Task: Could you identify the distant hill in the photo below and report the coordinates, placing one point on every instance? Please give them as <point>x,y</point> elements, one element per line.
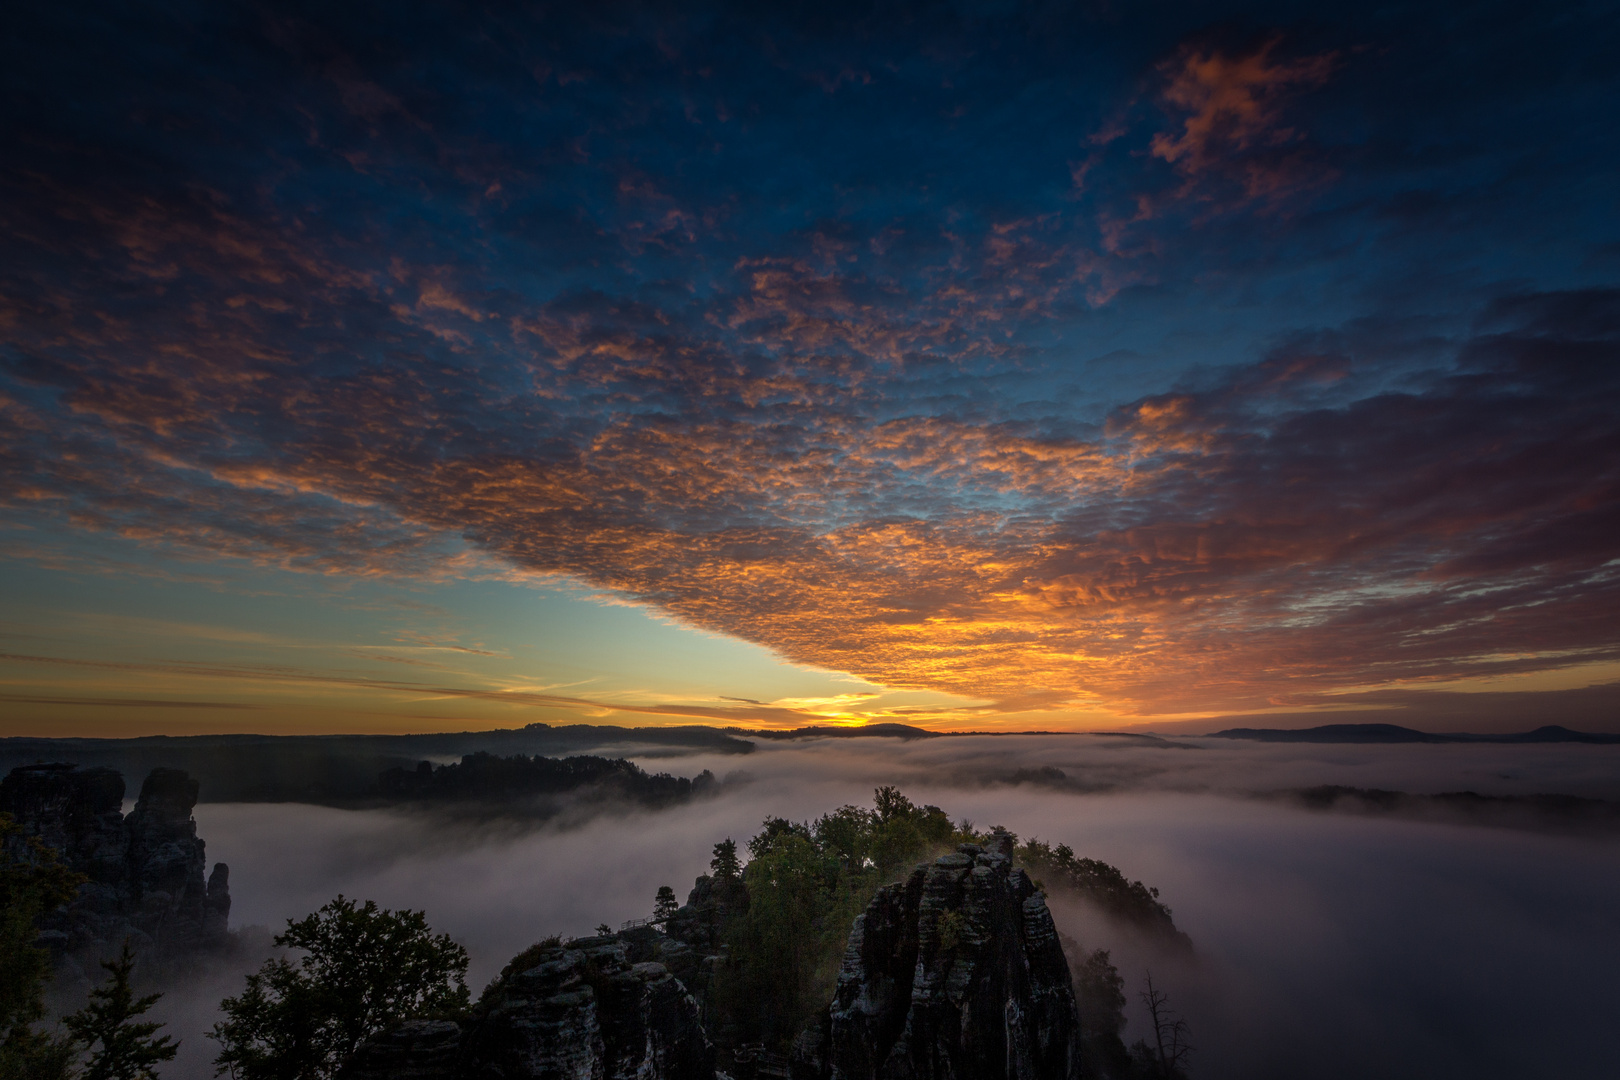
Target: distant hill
<point>1551,733</point>
<point>1394,733</point>
<point>865,731</point>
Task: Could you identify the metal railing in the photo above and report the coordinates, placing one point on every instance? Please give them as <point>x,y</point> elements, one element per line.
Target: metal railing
<point>753,1060</point>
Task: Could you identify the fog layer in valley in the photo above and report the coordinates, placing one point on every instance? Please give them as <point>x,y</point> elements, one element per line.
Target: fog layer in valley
<point>1327,945</point>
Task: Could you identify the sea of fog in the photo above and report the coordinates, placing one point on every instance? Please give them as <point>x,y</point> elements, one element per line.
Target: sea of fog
<point>1327,945</point>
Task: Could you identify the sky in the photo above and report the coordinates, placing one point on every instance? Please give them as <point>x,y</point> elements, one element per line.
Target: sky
<point>983,366</point>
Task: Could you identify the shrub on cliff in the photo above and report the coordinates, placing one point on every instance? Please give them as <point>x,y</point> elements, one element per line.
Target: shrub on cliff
<point>363,970</point>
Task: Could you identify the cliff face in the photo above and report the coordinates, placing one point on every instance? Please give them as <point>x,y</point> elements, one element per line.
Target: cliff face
<point>957,972</point>
<point>583,1011</point>
<point>146,870</point>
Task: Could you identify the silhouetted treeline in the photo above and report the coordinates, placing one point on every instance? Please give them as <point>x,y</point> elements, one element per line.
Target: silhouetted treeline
<point>1544,812</point>
<point>484,776</point>
<point>1129,902</point>
<point>342,769</point>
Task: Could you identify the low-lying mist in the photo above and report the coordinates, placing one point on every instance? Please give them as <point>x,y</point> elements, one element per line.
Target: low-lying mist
<point>1326,945</point>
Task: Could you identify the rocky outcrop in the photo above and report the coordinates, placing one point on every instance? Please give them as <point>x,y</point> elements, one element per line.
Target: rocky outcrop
<point>956,972</point>
<point>145,871</point>
<point>581,1011</point>
<point>414,1050</point>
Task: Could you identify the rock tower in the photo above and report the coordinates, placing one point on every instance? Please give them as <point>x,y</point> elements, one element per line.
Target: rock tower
<point>145,870</point>
<point>956,972</point>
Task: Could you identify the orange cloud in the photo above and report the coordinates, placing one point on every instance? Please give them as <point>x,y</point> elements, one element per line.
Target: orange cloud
<point>1234,105</point>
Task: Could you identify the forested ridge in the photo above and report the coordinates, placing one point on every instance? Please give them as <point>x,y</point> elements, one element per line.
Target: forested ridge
<point>486,776</point>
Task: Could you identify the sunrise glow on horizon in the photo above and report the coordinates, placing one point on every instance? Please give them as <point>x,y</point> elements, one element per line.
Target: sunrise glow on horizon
<point>974,367</point>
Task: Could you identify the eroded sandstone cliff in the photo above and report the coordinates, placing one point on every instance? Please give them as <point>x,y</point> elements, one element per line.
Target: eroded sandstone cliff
<point>956,972</point>
<point>146,871</point>
<point>581,1011</point>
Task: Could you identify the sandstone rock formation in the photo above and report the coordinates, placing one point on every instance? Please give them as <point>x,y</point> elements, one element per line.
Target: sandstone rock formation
<point>581,1011</point>
<point>414,1050</point>
<point>146,870</point>
<point>956,972</point>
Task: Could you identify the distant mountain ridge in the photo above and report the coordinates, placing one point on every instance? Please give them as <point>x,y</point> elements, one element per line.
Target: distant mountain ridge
<point>828,731</point>
<point>1394,733</point>
<point>338,768</point>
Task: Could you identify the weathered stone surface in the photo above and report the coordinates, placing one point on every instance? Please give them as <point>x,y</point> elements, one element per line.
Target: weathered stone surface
<point>708,905</point>
<point>584,1011</point>
<point>956,972</point>
<point>542,1022</point>
<point>415,1050</point>
<point>146,870</point>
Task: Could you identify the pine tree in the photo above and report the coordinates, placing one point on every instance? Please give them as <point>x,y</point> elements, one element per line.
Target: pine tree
<point>725,866</point>
<point>128,1050</point>
<point>664,904</point>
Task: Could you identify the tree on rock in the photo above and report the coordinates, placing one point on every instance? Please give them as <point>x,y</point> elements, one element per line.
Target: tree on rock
<point>364,969</point>
<point>121,1048</point>
<point>664,904</point>
<point>727,871</point>
<point>730,894</point>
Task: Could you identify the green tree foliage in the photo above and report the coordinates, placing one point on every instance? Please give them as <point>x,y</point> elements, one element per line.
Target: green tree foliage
<point>846,834</point>
<point>778,936</point>
<point>664,904</point>
<point>121,1047</point>
<point>772,831</point>
<point>891,804</point>
<point>364,969</point>
<point>33,883</point>
<point>805,883</point>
